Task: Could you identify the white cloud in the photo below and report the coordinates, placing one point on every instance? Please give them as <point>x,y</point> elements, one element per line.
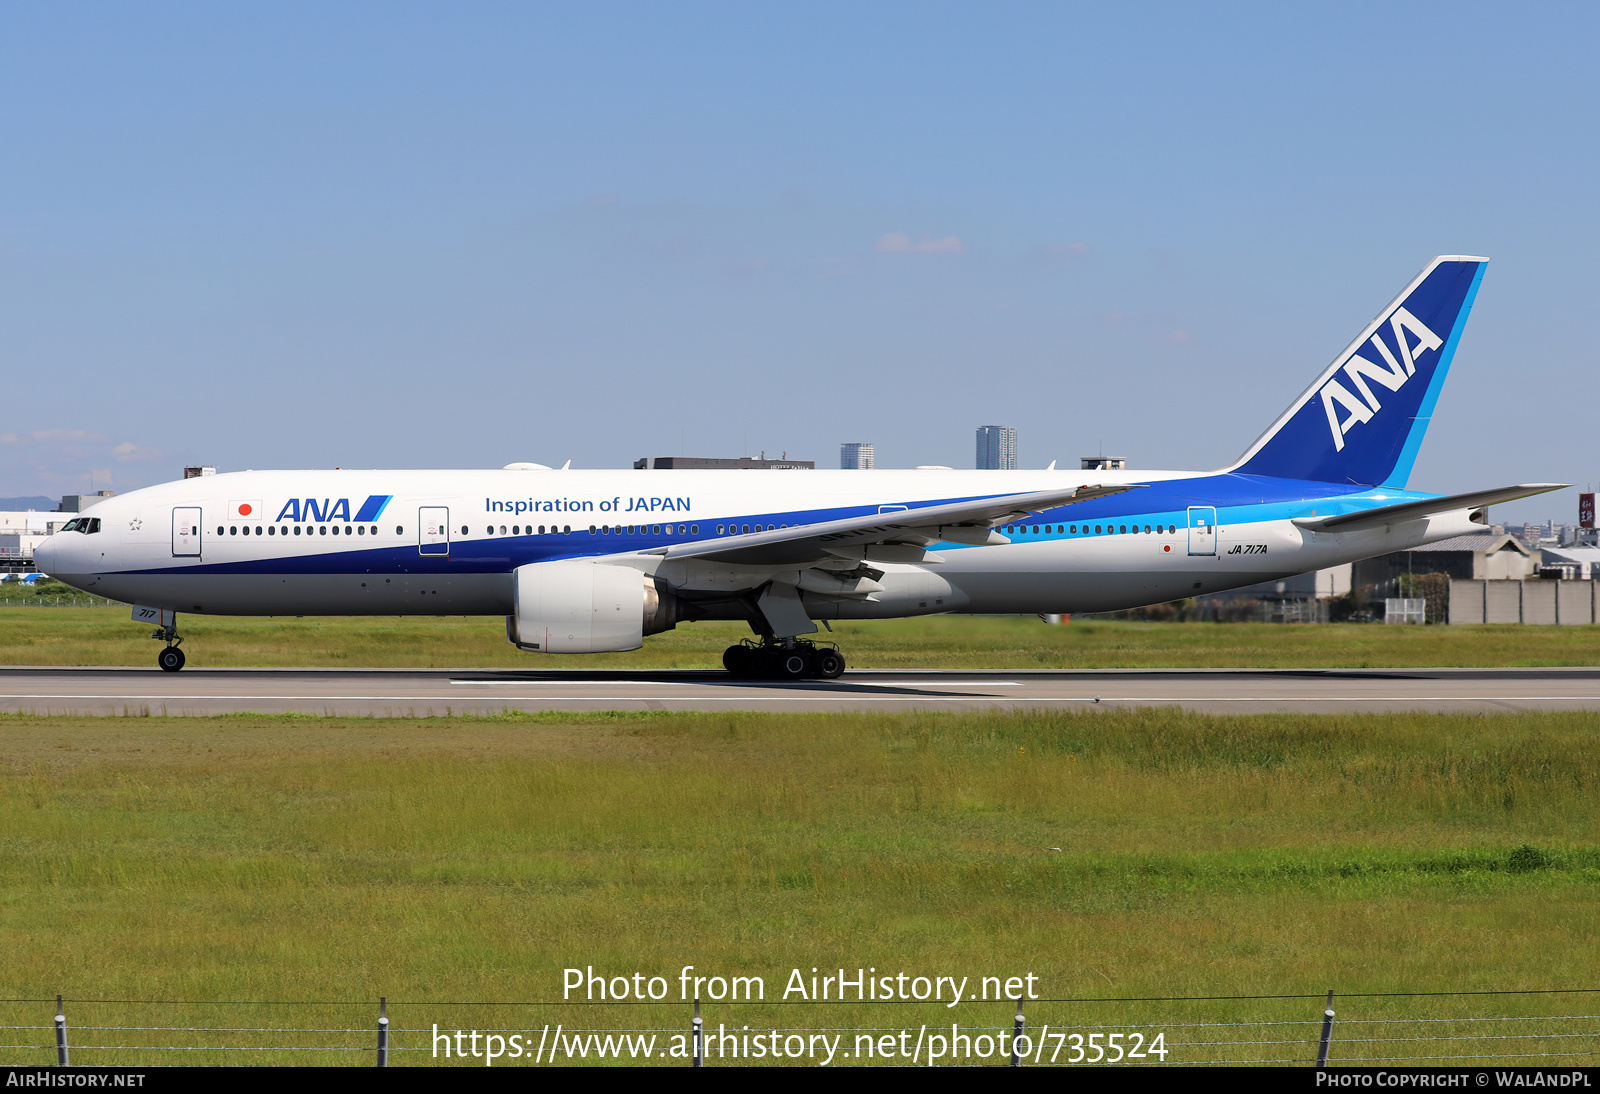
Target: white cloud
<point>900,243</point>
<point>70,461</point>
<point>127,452</point>
<point>52,436</point>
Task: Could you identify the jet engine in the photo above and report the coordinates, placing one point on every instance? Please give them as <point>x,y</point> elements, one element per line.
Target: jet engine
<point>576,606</point>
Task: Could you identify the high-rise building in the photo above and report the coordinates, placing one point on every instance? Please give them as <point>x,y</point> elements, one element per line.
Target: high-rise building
<point>855,456</point>
<point>997,448</point>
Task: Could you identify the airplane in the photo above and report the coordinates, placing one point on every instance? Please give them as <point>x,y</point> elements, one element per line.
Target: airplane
<point>581,561</point>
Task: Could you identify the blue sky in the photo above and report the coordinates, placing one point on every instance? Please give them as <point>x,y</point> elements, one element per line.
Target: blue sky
<point>460,235</point>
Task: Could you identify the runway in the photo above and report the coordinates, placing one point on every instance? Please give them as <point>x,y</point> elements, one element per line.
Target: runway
<point>434,693</point>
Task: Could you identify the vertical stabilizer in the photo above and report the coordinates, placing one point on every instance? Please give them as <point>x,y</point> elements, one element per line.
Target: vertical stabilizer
<point>1363,419</point>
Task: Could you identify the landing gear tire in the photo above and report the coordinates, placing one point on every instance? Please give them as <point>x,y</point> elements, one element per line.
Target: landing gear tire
<point>170,659</point>
<point>738,660</point>
<point>829,664</point>
<point>793,664</point>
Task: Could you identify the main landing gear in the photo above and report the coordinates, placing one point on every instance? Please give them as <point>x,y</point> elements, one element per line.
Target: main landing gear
<point>171,657</point>
<point>790,660</point>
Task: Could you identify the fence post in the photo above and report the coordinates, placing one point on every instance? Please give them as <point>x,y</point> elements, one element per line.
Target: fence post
<point>1016,1031</point>
<point>699,1035</point>
<point>383,1031</point>
<point>61,1034</point>
<point>1327,1032</point>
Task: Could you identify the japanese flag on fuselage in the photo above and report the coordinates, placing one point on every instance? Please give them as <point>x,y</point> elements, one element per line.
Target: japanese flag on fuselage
<point>244,510</point>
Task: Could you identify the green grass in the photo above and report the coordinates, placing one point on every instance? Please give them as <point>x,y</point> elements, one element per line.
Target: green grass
<point>1147,853</point>
<point>106,636</point>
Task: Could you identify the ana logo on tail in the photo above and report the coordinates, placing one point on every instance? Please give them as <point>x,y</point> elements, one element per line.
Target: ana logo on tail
<point>1359,370</point>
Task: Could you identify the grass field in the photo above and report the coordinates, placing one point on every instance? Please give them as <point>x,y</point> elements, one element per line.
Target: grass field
<point>105,636</point>
<point>1148,853</point>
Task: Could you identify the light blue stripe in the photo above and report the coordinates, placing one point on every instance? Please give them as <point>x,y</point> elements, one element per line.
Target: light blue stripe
<point>1401,474</point>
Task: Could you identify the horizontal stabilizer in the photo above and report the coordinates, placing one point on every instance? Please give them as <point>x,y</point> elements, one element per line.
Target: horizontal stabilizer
<point>1412,510</point>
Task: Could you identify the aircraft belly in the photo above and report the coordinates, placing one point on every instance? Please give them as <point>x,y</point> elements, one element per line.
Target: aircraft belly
<point>314,594</point>
<point>1027,593</point>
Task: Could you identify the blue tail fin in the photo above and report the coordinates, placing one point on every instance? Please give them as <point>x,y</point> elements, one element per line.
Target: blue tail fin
<point>1362,420</point>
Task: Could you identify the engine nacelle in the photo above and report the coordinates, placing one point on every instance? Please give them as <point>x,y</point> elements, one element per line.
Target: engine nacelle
<point>586,607</point>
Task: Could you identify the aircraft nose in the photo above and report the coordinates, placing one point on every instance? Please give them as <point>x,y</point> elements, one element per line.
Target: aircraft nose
<point>44,556</point>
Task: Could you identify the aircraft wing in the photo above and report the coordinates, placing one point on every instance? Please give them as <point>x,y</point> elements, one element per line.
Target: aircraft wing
<point>1411,510</point>
<point>908,530</point>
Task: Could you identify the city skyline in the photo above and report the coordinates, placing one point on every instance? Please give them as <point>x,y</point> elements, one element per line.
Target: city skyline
<point>997,448</point>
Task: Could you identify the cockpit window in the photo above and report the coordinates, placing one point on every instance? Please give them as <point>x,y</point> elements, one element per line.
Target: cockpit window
<point>87,525</point>
<point>94,525</point>
<point>72,525</point>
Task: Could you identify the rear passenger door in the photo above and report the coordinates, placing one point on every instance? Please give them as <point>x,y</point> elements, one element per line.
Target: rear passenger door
<point>1202,530</point>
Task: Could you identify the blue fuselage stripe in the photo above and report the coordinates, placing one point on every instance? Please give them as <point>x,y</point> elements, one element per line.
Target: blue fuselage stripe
<point>1238,499</point>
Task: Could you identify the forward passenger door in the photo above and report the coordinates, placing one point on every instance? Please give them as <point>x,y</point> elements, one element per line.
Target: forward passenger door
<point>433,530</point>
<point>185,532</point>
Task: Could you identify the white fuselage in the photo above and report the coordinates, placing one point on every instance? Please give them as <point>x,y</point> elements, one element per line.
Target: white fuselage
<point>448,542</point>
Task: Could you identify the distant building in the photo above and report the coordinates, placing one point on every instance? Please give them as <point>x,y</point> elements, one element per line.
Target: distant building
<point>1103,463</point>
<point>1485,555</point>
<point>997,448</point>
<point>1297,599</point>
<point>856,456</point>
<point>77,503</point>
<point>22,531</point>
<point>704,463</point>
<point>1577,562</point>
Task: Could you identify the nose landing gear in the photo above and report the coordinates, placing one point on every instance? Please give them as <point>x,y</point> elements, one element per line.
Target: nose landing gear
<point>171,657</point>
<point>795,660</point>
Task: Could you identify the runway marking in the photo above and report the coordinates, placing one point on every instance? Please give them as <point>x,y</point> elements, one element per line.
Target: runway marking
<point>739,684</point>
<point>568,683</point>
<point>947,684</point>
<point>823,697</point>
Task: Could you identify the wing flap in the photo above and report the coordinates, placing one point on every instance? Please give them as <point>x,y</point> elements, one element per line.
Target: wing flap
<point>971,521</point>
